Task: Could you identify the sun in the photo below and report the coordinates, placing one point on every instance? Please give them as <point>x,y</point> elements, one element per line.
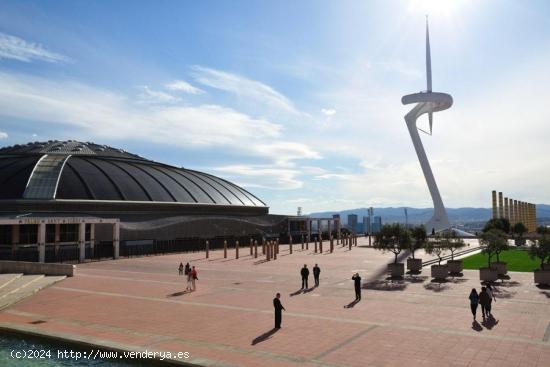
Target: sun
<point>436,7</point>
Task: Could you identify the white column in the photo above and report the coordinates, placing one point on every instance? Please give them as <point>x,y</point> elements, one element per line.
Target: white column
<point>82,241</point>
<point>92,238</point>
<point>116,239</point>
<point>42,242</point>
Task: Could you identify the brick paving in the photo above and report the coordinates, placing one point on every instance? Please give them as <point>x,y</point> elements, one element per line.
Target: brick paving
<point>140,304</point>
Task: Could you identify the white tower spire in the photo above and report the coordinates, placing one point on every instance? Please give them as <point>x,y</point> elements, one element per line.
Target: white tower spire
<point>428,102</point>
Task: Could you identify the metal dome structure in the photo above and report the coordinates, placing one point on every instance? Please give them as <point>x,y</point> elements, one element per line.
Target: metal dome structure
<point>76,172</point>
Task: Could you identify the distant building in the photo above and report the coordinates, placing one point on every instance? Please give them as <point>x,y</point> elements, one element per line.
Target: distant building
<point>336,216</point>
<point>352,222</point>
<point>376,224</point>
<point>366,224</point>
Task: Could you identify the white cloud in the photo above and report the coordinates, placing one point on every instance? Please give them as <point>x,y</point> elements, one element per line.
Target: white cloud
<point>148,95</point>
<point>12,47</point>
<point>3,135</point>
<point>102,113</point>
<point>328,112</point>
<point>183,86</point>
<point>262,176</point>
<point>243,87</point>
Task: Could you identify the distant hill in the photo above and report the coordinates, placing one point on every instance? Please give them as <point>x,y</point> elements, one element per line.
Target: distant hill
<point>422,215</point>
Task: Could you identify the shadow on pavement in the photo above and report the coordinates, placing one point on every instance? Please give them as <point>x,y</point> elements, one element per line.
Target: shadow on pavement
<point>264,336</point>
<point>299,291</point>
<point>436,285</point>
<point>489,322</point>
<point>177,294</point>
<point>351,304</point>
<point>386,285</point>
<point>476,326</point>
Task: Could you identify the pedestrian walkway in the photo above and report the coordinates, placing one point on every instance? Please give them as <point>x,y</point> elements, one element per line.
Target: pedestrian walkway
<point>139,304</point>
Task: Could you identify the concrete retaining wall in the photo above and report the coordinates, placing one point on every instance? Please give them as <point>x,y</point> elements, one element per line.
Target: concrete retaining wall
<point>36,268</point>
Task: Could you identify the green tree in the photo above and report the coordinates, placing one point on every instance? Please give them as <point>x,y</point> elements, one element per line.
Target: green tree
<point>494,242</point>
<point>502,224</point>
<point>541,248</point>
<point>542,230</point>
<point>392,238</point>
<point>454,243</point>
<point>419,238</point>
<point>437,246</point>
<point>519,229</point>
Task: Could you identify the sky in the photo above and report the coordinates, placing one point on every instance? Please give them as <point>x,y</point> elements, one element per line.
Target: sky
<point>298,102</point>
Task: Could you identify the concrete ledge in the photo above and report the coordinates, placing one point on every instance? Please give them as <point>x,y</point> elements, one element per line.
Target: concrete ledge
<point>36,268</point>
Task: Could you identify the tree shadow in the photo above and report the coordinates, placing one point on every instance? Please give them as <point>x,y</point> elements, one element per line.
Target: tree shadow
<point>547,294</point>
<point>456,275</point>
<point>502,293</point>
<point>456,280</point>
<point>416,279</point>
<point>543,286</point>
<point>387,284</point>
<point>476,326</point>
<point>352,304</point>
<point>435,285</point>
<point>177,294</point>
<point>265,336</point>
<point>509,284</point>
<point>489,322</point>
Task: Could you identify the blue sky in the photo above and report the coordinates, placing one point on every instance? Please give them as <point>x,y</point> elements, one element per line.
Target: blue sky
<point>299,102</point>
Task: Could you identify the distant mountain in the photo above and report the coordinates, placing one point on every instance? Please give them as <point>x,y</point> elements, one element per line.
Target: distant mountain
<point>416,216</point>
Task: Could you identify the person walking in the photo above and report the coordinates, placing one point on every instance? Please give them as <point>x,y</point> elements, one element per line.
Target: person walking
<point>187,269</point>
<point>180,268</point>
<point>474,299</point>
<point>491,298</point>
<point>194,278</point>
<point>189,280</point>
<point>357,280</point>
<point>316,273</point>
<point>484,301</point>
<point>278,310</point>
<point>305,275</point>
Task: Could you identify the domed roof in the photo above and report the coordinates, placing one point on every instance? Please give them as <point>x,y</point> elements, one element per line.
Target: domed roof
<point>72,170</point>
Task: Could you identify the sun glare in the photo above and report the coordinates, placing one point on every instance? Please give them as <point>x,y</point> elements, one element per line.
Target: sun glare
<point>436,7</point>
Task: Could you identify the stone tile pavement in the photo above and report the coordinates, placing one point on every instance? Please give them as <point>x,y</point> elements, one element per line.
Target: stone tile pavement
<point>140,304</point>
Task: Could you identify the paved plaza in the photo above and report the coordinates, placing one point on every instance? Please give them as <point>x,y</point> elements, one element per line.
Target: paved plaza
<point>140,304</point>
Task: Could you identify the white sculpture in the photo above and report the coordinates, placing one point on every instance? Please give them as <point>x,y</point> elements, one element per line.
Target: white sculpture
<point>428,102</point>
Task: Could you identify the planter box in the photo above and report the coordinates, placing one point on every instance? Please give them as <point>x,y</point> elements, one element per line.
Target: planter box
<point>542,277</point>
<point>488,274</point>
<point>414,265</point>
<point>455,266</point>
<point>545,266</point>
<point>396,270</point>
<point>500,267</point>
<point>439,271</point>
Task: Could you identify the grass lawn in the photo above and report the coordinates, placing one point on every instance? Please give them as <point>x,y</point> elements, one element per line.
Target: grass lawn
<point>517,260</point>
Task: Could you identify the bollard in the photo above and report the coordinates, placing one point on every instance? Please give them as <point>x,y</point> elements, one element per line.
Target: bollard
<point>315,238</point>
<point>207,249</point>
<point>321,244</point>
<point>276,250</point>
<point>290,243</point>
<point>225,249</point>
<point>255,249</point>
<point>302,242</point>
<point>263,246</point>
<point>349,243</point>
<point>251,243</point>
<point>267,251</point>
<point>331,244</point>
<point>236,249</point>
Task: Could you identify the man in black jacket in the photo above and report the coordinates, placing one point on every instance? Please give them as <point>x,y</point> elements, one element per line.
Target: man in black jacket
<point>357,280</point>
<point>278,310</point>
<point>305,276</point>
<point>316,273</point>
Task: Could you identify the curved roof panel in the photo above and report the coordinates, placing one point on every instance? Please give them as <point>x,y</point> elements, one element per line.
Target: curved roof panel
<point>97,172</point>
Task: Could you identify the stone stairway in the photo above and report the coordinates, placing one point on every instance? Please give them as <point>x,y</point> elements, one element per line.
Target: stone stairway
<point>15,287</point>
